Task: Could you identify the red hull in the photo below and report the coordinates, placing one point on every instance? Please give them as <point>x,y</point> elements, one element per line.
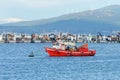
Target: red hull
<point>58,52</point>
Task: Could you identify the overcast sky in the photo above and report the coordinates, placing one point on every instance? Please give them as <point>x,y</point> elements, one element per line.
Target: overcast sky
<point>19,10</point>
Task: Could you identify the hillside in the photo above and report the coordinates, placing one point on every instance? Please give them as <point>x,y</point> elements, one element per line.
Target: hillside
<point>104,19</point>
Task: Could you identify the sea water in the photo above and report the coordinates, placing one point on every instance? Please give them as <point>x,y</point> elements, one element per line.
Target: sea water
<point>16,65</point>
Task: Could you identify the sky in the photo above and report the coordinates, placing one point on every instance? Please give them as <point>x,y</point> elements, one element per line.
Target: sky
<point>27,10</point>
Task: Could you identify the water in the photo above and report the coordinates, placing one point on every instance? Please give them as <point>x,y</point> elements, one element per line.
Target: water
<point>16,65</point>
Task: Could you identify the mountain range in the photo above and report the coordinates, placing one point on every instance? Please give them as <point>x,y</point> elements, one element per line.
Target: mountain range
<point>105,19</point>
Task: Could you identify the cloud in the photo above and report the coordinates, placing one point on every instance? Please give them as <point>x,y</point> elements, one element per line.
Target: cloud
<point>45,4</point>
<point>39,3</point>
<point>36,3</point>
<point>53,3</point>
<point>10,20</point>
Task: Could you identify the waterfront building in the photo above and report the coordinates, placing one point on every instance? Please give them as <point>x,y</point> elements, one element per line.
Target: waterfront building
<point>1,38</point>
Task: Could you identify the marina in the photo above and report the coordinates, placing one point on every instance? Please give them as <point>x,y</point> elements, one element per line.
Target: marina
<point>60,40</point>
<point>9,37</point>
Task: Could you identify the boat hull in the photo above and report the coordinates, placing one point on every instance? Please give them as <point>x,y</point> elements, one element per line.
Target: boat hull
<point>58,52</point>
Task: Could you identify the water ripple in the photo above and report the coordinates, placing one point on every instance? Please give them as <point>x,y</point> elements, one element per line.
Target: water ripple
<point>16,65</point>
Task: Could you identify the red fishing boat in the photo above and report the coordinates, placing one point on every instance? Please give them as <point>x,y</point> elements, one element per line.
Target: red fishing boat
<point>65,50</point>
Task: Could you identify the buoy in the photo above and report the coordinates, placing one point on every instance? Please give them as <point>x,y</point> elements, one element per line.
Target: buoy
<point>31,55</point>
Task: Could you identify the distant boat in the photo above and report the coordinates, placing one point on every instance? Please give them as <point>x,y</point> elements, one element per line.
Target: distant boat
<point>67,51</point>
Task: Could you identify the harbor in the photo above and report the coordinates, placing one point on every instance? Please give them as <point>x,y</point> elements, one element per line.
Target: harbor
<point>9,37</point>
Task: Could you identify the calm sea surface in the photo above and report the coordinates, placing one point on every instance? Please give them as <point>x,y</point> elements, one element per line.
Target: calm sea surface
<point>16,65</point>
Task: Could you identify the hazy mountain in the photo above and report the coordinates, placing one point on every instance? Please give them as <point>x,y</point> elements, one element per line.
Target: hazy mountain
<point>104,19</point>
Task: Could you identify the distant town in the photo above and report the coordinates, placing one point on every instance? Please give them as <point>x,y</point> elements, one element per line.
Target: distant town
<point>9,37</point>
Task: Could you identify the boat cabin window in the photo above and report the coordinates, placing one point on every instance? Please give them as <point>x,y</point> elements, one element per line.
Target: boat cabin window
<point>71,48</point>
